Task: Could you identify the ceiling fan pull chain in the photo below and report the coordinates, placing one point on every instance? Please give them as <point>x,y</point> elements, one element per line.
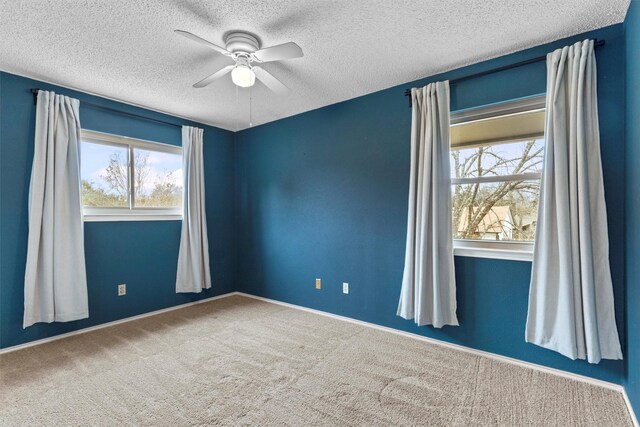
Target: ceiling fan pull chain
<point>237,111</point>
<point>250,105</point>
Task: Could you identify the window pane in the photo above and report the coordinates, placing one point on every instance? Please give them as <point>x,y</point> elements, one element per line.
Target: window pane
<point>495,211</point>
<point>105,176</point>
<point>157,179</point>
<point>498,159</point>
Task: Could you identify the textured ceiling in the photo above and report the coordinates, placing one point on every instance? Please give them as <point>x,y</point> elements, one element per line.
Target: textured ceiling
<point>126,49</point>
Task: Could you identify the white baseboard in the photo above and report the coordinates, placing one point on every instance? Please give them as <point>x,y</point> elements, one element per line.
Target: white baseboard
<point>108,324</point>
<point>631,412</point>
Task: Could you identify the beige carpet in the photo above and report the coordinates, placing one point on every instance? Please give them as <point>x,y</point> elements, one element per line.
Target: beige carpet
<point>239,361</point>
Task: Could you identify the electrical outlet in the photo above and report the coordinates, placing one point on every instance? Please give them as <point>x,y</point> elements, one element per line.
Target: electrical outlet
<point>345,288</point>
<point>318,283</point>
<point>122,289</point>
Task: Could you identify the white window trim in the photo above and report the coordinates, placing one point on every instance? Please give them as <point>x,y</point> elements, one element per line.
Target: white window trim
<point>505,250</point>
<point>110,217</point>
<point>103,214</point>
<point>515,251</point>
<point>523,105</point>
<point>497,178</point>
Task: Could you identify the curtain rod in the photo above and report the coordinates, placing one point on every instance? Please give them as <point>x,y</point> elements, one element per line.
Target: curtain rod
<point>111,110</point>
<point>407,92</point>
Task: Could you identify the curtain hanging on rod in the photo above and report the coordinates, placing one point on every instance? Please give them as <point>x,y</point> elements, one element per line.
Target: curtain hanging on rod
<point>571,307</point>
<point>428,292</point>
<point>55,282</point>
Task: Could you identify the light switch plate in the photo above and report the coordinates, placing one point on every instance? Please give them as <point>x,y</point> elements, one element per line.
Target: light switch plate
<point>318,284</point>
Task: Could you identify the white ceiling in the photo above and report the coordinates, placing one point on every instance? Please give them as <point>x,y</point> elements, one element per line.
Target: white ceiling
<point>126,49</point>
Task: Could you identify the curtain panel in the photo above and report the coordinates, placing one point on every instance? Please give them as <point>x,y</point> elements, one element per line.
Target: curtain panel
<point>571,307</point>
<point>55,283</point>
<point>193,258</point>
<point>428,284</point>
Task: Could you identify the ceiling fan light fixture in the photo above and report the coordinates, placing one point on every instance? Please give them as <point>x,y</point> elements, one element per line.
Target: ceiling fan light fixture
<point>243,76</point>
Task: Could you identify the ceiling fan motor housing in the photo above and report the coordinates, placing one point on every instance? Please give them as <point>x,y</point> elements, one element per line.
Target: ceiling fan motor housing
<point>239,41</point>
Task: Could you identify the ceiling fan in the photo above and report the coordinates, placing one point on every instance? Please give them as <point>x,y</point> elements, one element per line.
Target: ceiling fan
<point>244,49</point>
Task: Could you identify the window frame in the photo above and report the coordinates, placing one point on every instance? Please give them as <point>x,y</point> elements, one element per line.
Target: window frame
<point>130,213</point>
<point>508,250</point>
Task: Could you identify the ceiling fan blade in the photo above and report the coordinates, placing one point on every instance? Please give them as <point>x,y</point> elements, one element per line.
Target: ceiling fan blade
<point>276,53</point>
<point>208,80</point>
<point>203,41</point>
<point>271,82</point>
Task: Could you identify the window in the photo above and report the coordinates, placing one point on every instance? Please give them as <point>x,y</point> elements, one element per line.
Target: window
<point>129,179</point>
<point>496,165</point>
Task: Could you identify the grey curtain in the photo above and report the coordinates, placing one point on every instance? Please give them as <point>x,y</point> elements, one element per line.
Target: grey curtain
<point>428,284</point>
<point>193,258</point>
<point>571,307</point>
<point>55,282</point>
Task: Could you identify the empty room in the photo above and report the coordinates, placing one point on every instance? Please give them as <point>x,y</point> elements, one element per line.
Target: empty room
<point>320,213</point>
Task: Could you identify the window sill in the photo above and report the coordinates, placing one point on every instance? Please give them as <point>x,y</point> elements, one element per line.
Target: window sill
<point>494,250</point>
<point>494,254</point>
<point>139,217</point>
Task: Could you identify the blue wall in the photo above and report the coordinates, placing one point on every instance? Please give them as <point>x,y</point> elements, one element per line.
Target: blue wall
<point>324,194</point>
<point>141,254</point>
<point>632,36</point>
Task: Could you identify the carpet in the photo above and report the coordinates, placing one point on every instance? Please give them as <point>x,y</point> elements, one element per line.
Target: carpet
<point>240,361</point>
